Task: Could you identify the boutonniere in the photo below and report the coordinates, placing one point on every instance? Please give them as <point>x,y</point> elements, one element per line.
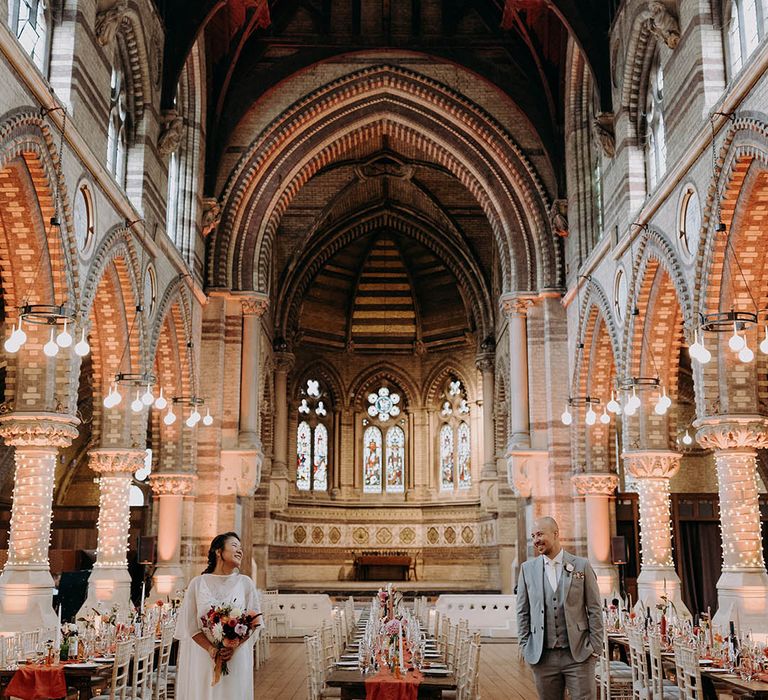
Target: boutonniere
<point>568,567</point>
<point>578,574</point>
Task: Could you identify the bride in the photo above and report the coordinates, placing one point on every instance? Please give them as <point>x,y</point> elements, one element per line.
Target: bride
<point>219,584</point>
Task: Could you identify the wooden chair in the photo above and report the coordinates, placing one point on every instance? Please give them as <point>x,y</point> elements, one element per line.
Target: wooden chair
<point>317,672</point>
<point>614,679</point>
<point>119,688</point>
<point>143,667</point>
<point>161,680</point>
<point>276,618</point>
<point>639,663</point>
<point>688,672</point>
<point>661,688</point>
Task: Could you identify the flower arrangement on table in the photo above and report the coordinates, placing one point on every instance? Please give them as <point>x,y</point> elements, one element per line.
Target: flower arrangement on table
<point>227,626</point>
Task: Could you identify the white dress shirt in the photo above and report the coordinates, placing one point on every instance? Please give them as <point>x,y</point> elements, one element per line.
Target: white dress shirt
<point>553,568</point>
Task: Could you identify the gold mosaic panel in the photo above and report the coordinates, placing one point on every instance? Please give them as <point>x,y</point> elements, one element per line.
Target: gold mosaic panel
<point>383,535</point>
<point>468,534</point>
<point>334,535</point>
<point>407,535</point>
<point>450,535</point>
<point>317,535</point>
<point>360,535</point>
<point>299,534</point>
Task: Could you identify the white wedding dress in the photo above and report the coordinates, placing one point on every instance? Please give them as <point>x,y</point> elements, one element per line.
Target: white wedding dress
<point>195,667</point>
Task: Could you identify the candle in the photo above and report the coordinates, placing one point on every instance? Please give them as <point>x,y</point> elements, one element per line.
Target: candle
<point>58,630</point>
<point>143,587</point>
<point>400,645</point>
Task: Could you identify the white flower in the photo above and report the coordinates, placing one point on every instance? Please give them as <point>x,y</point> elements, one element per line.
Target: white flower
<point>217,632</point>
<point>235,612</point>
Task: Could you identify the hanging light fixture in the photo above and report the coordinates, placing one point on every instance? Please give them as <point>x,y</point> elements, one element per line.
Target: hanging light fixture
<point>737,322</point>
<point>194,403</point>
<point>55,316</point>
<point>590,416</point>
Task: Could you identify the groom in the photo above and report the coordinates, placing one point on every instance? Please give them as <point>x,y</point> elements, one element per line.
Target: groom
<point>559,621</point>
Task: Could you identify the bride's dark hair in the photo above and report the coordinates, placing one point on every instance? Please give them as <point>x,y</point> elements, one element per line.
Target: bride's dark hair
<point>217,544</point>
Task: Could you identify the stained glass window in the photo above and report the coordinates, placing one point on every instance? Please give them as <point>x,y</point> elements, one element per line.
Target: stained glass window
<point>372,460</point>
<point>465,477</point>
<point>446,458</point>
<point>303,456</point>
<point>320,459</point>
<point>395,460</point>
<point>27,19</point>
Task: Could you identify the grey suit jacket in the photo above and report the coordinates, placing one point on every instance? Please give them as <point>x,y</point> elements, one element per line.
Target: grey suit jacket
<point>583,616</point>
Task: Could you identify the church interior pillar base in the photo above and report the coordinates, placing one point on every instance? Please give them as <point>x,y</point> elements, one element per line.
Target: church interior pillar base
<point>26,599</point>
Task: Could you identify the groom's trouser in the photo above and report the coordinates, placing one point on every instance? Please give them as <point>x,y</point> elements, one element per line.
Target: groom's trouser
<point>557,671</point>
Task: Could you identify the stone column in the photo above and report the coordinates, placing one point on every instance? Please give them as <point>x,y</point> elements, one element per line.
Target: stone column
<point>283,364</point>
<point>109,583</point>
<point>515,308</point>
<point>250,380</point>
<point>652,470</point>
<point>170,490</point>
<point>742,589</point>
<point>598,491</point>
<point>26,586</point>
<point>488,474</point>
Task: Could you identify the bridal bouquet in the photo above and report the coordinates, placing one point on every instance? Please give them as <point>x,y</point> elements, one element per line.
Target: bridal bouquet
<point>227,626</point>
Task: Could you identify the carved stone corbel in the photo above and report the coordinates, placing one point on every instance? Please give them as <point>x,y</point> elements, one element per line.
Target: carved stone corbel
<point>171,131</point>
<point>664,24</point>
<point>107,22</point>
<point>211,215</point>
<point>558,217</point>
<point>603,133</point>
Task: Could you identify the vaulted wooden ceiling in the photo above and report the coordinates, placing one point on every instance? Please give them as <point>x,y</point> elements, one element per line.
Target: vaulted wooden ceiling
<point>518,45</point>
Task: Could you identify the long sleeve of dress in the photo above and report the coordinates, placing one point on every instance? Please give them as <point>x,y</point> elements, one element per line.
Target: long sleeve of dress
<point>187,621</point>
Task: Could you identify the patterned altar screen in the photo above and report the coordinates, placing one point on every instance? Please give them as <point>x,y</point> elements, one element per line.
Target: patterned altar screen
<point>446,458</point>
<point>372,460</point>
<point>395,460</point>
<point>320,460</point>
<point>303,455</point>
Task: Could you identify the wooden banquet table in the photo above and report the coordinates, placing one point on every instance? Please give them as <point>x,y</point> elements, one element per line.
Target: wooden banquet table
<point>711,681</point>
<point>78,678</point>
<point>352,684</point>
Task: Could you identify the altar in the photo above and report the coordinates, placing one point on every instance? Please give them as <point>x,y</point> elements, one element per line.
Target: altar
<point>382,567</point>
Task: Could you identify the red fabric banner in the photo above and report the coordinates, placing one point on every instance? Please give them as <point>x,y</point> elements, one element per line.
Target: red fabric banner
<point>38,683</point>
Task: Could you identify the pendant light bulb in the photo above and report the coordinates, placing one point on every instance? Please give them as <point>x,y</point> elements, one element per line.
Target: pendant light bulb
<point>117,397</point>
<point>604,417</point>
<point>108,399</point>
<point>566,416</point>
<point>82,348</point>
<point>696,347</point>
<point>136,404</point>
<point>12,344</point>
<point>195,415</point>
<point>64,339</point>
<point>590,418</point>
<point>736,341</point>
<point>687,439</point>
<point>170,417</point>
<point>160,401</point>
<point>207,418</point>
<point>613,405</point>
<point>21,336</point>
<point>705,355</point>
<point>660,408</point>
<point>764,342</point>
<point>630,409</point>
<point>50,348</point>
<point>147,398</point>
<point>634,401</point>
<point>191,422</point>
<point>746,354</point>
<point>664,398</point>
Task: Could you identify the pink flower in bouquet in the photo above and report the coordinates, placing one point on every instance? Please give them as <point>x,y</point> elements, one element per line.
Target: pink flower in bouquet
<point>392,628</point>
<point>227,626</point>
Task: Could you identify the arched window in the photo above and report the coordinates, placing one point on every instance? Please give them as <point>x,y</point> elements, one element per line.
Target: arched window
<point>656,139</point>
<point>372,460</point>
<point>395,459</point>
<point>454,438</point>
<point>384,447</point>
<point>312,455</point>
<point>746,28</point>
<point>117,134</point>
<point>28,20</point>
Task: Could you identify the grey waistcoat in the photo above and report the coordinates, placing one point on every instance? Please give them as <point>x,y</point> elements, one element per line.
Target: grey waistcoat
<point>555,632</point>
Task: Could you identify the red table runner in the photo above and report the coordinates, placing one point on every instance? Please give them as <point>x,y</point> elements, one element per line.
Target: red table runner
<point>385,686</point>
<point>38,683</point>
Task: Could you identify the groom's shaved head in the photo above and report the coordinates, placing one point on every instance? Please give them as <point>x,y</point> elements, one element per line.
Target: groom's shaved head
<point>548,523</point>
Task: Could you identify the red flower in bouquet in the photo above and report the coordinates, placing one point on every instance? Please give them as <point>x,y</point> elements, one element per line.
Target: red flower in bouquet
<point>227,626</point>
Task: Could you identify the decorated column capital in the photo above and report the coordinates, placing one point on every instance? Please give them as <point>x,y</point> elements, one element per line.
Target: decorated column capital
<point>177,484</point>
<point>593,484</point>
<point>38,429</point>
<point>116,461</point>
<point>485,361</point>
<point>652,464</point>
<point>515,304</point>
<point>732,432</point>
<point>284,361</point>
<point>254,304</point>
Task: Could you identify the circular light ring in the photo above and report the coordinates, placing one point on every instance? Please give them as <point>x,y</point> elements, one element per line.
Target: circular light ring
<point>47,314</point>
<point>723,322</point>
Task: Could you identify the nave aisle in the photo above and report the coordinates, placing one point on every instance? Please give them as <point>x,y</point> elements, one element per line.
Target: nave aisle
<point>284,676</point>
